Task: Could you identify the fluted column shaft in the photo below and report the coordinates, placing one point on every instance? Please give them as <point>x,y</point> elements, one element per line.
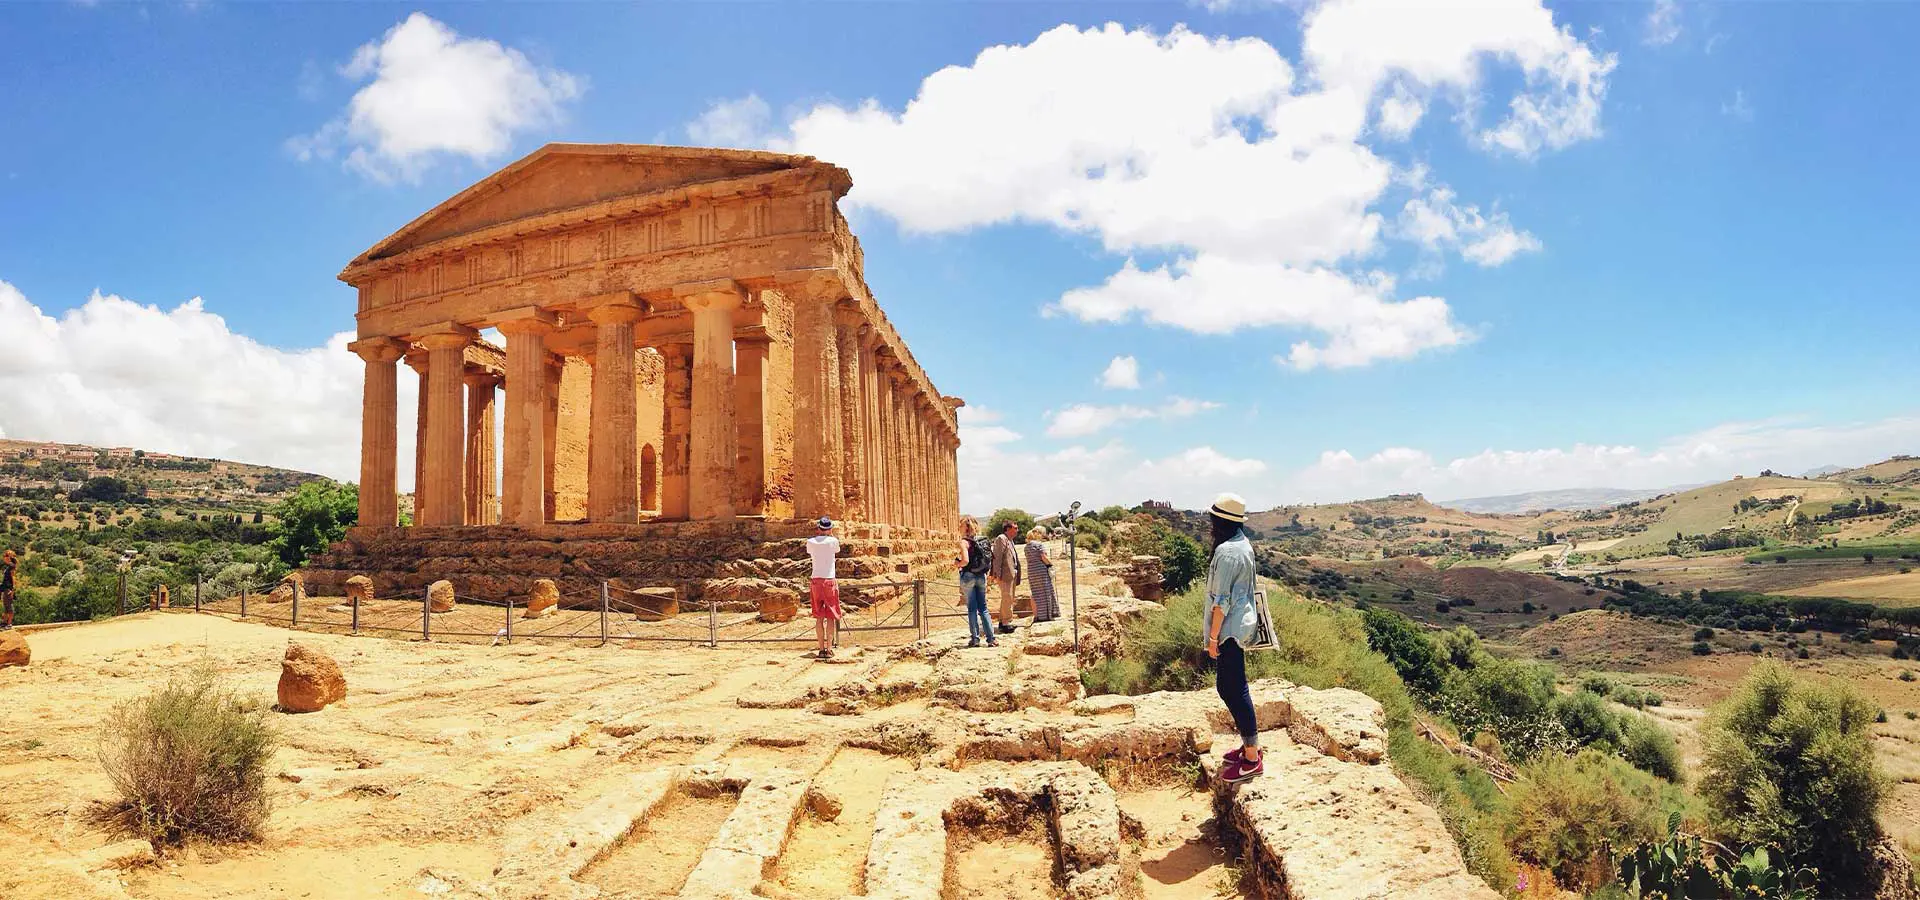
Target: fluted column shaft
<point>678,427</point>
<point>819,485</point>
<point>379,431</point>
<point>524,502</point>
<point>482,465</point>
<point>876,435</point>
<point>445,457</point>
<point>714,443</point>
<point>750,388</point>
<point>613,478</point>
<point>853,424</point>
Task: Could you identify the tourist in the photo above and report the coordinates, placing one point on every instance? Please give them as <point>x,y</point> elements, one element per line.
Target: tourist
<point>825,591</point>
<point>973,561</point>
<point>8,563</point>
<point>1006,572</point>
<point>1046,607</point>
<point>1230,622</point>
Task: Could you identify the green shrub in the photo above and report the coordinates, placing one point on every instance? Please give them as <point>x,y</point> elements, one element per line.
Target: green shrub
<point>1572,813</point>
<point>189,760</point>
<point>1703,634</point>
<point>1650,747</point>
<point>1512,699</point>
<point>1406,648</point>
<point>1906,674</point>
<point>1682,865</point>
<point>1627,695</point>
<point>1588,720</point>
<point>1790,765</point>
<point>1702,648</point>
<point>1597,684</point>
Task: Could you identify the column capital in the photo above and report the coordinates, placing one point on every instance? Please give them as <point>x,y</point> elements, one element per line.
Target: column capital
<point>525,320</point>
<point>447,336</point>
<point>592,302</point>
<point>717,293</point>
<point>379,349</point>
<point>616,312</point>
<point>483,379</point>
<point>823,282</point>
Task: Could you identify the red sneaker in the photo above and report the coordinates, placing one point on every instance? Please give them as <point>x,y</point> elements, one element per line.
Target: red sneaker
<point>1236,755</point>
<point>1236,772</point>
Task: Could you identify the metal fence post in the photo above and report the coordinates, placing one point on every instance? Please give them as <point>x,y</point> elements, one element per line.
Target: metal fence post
<point>426,614</point>
<point>123,593</point>
<point>713,622</point>
<point>920,606</point>
<point>603,613</point>
<point>356,614</point>
<point>1073,578</point>
<point>509,620</point>
<point>243,601</point>
<point>196,592</point>
<point>295,623</point>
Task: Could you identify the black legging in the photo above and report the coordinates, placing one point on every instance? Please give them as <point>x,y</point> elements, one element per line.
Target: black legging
<point>1230,680</point>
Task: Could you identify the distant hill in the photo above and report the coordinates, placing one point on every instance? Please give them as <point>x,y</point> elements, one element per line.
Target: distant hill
<point>1898,470</point>
<point>1541,501</point>
<point>1822,472</point>
<point>48,469</point>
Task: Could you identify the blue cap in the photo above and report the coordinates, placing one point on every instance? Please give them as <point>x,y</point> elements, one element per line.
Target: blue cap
<point>825,523</point>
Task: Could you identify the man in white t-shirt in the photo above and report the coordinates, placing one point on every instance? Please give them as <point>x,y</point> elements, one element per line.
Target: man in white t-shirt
<point>825,593</point>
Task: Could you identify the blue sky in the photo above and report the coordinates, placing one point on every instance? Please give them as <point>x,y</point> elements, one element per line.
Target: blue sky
<point>1518,247</point>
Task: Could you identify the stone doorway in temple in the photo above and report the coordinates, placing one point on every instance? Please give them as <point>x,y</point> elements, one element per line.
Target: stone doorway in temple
<point>649,479</point>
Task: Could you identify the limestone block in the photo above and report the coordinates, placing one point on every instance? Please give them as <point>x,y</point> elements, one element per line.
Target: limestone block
<point>359,590</point>
<point>440,596</point>
<point>655,604</point>
<point>309,680</point>
<point>14,650</point>
<point>289,588</point>
<point>543,600</point>
<point>778,607</point>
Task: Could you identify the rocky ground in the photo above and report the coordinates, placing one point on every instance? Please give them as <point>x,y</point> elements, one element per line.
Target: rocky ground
<point>573,770</point>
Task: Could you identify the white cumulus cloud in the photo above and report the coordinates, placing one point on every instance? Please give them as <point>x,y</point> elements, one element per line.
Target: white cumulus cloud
<point>113,372</point>
<point>1437,221</point>
<point>1082,419</point>
<point>1238,183</point>
<point>430,94</point>
<point>1663,23</point>
<point>1121,374</point>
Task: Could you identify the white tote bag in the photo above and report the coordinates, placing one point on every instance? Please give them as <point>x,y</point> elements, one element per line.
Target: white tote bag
<point>1263,637</point>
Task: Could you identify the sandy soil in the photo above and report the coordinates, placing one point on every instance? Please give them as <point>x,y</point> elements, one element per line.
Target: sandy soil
<point>828,859</point>
<point>1010,867</point>
<point>1179,857</point>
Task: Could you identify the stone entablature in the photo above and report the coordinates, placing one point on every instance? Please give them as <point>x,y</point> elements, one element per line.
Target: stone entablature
<point>722,287</point>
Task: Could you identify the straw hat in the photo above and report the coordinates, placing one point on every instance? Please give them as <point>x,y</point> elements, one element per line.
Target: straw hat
<point>1230,507</point>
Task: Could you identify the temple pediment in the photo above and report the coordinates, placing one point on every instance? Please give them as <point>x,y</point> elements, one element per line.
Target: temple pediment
<point>565,176</point>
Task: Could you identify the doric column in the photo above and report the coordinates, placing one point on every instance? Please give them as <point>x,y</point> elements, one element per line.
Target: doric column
<point>715,440</point>
<point>848,321</point>
<point>674,485</point>
<point>870,417</point>
<point>482,478</point>
<point>749,399</point>
<point>550,438</point>
<point>379,431</point>
<point>445,460</point>
<point>524,500</point>
<point>920,459</point>
<point>613,481</point>
<point>887,450</point>
<point>417,361</point>
<point>818,484</point>
<point>903,447</point>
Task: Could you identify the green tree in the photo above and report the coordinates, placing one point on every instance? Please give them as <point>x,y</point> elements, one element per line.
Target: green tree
<point>105,488</point>
<point>317,514</point>
<point>1181,561</point>
<point>1397,638</point>
<point>1019,517</point>
<point>1790,765</point>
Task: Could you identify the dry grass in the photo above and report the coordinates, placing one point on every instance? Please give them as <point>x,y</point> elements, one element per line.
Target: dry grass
<point>189,761</point>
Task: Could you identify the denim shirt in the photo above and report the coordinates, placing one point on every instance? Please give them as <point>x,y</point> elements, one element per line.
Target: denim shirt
<point>1230,585</point>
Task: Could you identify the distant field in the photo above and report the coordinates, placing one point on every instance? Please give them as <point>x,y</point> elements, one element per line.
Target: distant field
<point>1893,587</point>
<point>1888,551</point>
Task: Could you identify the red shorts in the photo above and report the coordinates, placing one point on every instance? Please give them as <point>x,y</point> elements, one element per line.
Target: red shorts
<point>826,598</point>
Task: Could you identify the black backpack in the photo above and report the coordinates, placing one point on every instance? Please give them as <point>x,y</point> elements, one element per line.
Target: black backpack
<point>979,557</point>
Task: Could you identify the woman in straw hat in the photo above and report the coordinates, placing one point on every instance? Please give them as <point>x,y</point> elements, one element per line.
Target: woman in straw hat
<point>1230,623</point>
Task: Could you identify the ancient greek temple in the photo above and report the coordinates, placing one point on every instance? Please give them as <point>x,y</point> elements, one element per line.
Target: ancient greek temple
<point>689,337</point>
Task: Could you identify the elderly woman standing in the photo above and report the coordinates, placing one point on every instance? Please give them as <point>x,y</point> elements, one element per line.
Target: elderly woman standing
<point>1046,607</point>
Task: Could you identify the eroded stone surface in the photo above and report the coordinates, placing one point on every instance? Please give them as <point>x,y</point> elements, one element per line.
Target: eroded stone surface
<point>309,680</point>
<point>359,590</point>
<point>543,599</point>
<point>14,650</point>
<point>440,596</point>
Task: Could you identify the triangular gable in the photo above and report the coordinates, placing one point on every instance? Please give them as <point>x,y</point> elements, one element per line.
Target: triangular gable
<point>563,176</point>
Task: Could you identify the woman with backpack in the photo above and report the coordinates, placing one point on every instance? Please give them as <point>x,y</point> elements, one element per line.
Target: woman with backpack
<point>974,561</point>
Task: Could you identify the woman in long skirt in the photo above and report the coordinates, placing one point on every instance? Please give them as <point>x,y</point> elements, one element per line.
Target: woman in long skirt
<point>1046,607</point>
